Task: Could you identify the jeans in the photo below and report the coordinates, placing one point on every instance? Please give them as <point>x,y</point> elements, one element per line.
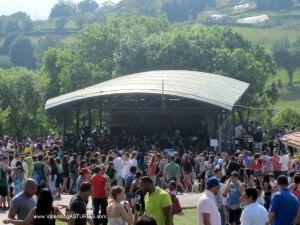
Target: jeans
<point>73,184</point>
<point>119,181</point>
<point>97,204</point>
<point>222,214</point>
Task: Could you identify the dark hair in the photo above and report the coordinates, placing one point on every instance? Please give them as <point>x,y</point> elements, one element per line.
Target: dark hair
<point>147,180</point>
<point>223,179</point>
<point>44,207</point>
<point>266,178</point>
<point>132,169</point>
<point>65,159</point>
<point>40,157</point>
<point>146,219</point>
<point>138,174</point>
<point>217,170</point>
<point>282,180</point>
<point>297,179</point>
<point>97,169</point>
<point>252,192</point>
<point>85,186</point>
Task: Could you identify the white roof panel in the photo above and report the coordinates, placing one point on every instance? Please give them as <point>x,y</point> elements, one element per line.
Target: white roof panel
<point>206,87</point>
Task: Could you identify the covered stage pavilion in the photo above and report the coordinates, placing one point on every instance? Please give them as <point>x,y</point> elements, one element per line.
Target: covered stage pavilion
<point>158,100</point>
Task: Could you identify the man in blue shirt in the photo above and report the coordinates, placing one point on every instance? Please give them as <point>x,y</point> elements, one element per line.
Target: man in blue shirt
<point>284,205</point>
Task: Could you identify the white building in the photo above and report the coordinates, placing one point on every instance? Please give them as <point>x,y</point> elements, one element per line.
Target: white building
<point>253,19</point>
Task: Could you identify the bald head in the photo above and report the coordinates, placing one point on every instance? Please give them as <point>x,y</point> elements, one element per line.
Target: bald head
<point>30,187</point>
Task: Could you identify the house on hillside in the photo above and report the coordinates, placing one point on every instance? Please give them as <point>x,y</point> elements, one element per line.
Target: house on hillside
<point>253,19</point>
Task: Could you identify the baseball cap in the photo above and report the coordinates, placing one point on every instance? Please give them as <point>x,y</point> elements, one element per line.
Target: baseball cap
<point>212,182</point>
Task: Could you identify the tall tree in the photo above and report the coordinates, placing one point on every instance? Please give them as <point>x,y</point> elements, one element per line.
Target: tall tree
<point>88,6</point>
<point>21,108</point>
<point>21,52</point>
<point>8,40</point>
<point>49,41</point>
<point>63,8</point>
<point>287,58</point>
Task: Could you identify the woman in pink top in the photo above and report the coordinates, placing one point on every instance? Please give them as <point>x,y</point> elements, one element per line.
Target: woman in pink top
<point>152,167</point>
<point>276,164</point>
<point>257,165</point>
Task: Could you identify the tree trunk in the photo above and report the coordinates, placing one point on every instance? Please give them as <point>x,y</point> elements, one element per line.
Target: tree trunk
<point>290,75</point>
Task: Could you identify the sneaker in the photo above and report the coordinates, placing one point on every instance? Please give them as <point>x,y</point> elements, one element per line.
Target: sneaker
<point>5,208</point>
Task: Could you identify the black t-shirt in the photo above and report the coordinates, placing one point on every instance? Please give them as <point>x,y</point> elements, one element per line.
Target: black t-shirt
<point>78,206</point>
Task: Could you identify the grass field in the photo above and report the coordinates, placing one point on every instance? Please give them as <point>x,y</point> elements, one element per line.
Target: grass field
<point>289,96</point>
<point>267,36</point>
<point>189,217</point>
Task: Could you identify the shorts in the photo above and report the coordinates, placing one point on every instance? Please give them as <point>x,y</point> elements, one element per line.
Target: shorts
<point>234,215</point>
<point>3,191</point>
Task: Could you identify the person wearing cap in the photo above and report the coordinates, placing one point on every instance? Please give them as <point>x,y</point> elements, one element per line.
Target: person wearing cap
<point>100,191</point>
<point>84,176</point>
<point>208,213</point>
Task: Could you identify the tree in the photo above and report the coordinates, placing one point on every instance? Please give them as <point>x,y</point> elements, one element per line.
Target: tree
<point>63,8</point>
<point>18,21</point>
<point>88,6</point>
<point>180,10</point>
<point>49,41</point>
<point>286,58</point>
<point>8,40</point>
<point>142,7</point>
<point>21,52</point>
<point>5,62</point>
<point>60,23</point>
<point>287,116</point>
<point>21,109</point>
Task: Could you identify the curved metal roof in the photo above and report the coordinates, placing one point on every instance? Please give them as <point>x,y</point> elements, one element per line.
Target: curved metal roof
<point>206,87</point>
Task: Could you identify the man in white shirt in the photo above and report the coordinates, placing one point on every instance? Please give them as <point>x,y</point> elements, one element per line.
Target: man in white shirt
<point>126,165</point>
<point>253,214</point>
<point>118,165</point>
<point>208,213</point>
<point>284,161</point>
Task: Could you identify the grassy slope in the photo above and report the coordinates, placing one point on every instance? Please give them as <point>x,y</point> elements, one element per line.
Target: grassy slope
<point>267,36</point>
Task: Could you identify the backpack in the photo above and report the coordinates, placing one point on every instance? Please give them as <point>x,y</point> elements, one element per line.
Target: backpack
<point>38,175</point>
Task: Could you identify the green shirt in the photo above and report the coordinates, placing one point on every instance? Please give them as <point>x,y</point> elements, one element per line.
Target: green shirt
<point>3,176</point>
<point>172,169</point>
<point>155,202</point>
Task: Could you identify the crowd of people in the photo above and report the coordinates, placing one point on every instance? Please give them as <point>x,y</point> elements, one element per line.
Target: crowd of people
<point>128,185</point>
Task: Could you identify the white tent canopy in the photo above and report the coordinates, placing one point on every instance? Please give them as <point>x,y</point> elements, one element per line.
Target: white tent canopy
<point>205,87</point>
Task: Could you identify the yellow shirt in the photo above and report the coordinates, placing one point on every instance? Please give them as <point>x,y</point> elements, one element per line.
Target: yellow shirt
<point>155,202</point>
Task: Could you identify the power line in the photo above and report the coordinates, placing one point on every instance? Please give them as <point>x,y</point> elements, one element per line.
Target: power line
<point>259,108</point>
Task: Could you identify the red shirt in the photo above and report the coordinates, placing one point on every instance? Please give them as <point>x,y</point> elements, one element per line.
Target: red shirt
<point>275,163</point>
<point>257,165</point>
<point>98,183</point>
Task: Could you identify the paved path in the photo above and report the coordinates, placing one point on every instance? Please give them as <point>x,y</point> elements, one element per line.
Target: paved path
<point>186,201</point>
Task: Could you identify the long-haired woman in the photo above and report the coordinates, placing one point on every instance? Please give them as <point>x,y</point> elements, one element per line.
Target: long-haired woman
<point>187,169</point>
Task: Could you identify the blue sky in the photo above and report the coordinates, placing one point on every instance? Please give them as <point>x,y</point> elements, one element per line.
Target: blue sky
<point>37,9</point>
